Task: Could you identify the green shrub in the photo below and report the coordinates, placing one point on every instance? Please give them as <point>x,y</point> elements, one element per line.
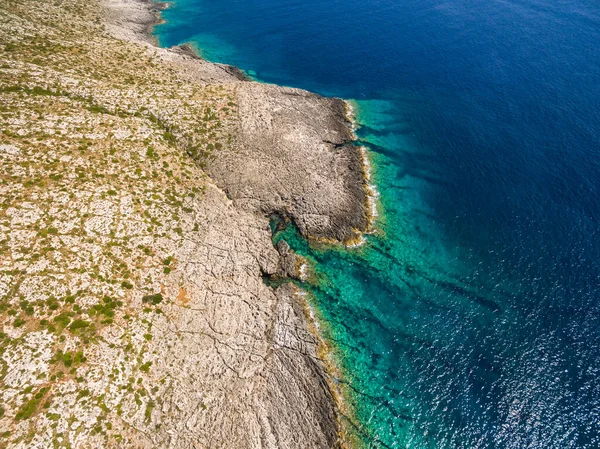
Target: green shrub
<point>146,367</point>
<point>63,319</point>
<point>152,299</point>
<point>31,406</point>
<point>98,109</point>
<point>28,409</point>
<point>78,324</point>
<point>18,322</point>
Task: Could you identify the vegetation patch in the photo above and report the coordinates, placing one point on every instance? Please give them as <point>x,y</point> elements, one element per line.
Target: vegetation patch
<point>32,405</point>
<point>152,299</point>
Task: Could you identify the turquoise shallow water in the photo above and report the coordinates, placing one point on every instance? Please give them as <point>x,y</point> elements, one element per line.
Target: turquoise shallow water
<point>472,318</point>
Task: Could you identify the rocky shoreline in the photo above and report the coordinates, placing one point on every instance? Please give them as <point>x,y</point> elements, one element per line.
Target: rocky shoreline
<point>143,178</point>
<point>269,132</point>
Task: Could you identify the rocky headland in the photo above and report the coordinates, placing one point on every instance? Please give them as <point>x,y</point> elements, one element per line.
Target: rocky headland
<point>136,186</point>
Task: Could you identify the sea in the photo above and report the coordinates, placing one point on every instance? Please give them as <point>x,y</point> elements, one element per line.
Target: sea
<point>471,318</point>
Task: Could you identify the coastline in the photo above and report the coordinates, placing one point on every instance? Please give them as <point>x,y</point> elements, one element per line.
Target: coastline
<point>156,307</point>
<point>348,436</point>
<point>371,194</point>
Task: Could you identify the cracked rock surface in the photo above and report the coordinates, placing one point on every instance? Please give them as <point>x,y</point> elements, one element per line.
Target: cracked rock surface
<point>135,184</point>
<point>295,159</point>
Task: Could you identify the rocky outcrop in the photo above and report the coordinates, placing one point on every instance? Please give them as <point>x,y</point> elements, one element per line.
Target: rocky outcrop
<point>293,151</point>
<point>135,184</point>
<point>289,263</point>
<point>294,157</point>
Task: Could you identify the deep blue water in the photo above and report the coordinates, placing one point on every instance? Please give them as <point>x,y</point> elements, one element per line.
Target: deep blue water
<point>472,319</point>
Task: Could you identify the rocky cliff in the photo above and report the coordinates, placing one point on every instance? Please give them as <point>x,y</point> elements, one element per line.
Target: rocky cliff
<point>136,185</point>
